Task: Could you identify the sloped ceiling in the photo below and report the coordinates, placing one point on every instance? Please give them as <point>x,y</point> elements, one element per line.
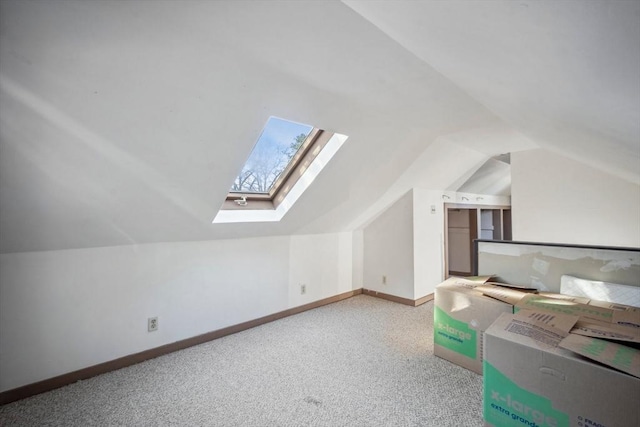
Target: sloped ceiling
<point>493,177</point>
<point>566,74</point>
<point>125,122</point>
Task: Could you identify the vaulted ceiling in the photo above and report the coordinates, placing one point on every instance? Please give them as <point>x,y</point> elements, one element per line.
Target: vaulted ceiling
<point>126,122</point>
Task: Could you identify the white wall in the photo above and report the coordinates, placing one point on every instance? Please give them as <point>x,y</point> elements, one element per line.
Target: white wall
<point>61,311</point>
<point>559,200</point>
<point>428,241</point>
<point>322,262</point>
<point>388,250</point>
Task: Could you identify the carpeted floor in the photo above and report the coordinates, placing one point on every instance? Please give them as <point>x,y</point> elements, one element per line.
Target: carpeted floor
<point>359,362</point>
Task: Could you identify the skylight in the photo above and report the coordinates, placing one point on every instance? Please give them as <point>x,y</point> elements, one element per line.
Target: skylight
<point>284,162</point>
<point>276,148</point>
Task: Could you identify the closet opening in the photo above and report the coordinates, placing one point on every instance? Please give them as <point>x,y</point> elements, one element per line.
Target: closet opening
<point>464,224</point>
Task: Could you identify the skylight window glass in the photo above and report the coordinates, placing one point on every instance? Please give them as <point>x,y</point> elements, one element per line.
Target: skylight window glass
<point>279,142</point>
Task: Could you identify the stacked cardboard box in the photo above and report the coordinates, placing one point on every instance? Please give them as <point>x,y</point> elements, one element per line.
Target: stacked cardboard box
<point>561,361</point>
<point>461,315</point>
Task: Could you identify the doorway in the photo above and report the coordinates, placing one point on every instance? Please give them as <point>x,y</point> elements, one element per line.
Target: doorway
<point>466,223</point>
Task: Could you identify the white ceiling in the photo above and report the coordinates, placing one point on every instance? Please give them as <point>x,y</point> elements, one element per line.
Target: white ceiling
<point>564,73</point>
<point>125,122</point>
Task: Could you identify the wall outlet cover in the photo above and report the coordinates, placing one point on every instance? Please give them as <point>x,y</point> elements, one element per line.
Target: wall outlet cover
<point>152,324</point>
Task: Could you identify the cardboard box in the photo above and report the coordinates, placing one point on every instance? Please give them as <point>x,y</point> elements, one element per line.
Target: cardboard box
<point>503,293</point>
<point>616,355</point>
<point>461,315</point>
<point>587,309</point>
<point>595,310</point>
<point>565,297</point>
<point>590,301</point>
<point>607,331</point>
<point>530,380</point>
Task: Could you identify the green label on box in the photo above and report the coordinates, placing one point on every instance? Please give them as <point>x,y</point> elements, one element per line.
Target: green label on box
<point>506,404</point>
<point>453,334</point>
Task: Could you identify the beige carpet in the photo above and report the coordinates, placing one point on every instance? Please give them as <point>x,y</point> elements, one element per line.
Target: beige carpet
<point>360,362</point>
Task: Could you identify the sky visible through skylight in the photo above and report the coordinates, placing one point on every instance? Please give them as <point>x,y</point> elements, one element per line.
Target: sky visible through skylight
<point>278,143</point>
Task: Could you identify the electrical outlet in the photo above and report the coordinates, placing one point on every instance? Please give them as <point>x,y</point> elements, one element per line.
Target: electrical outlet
<point>303,289</point>
<point>152,324</point>
<point>384,280</point>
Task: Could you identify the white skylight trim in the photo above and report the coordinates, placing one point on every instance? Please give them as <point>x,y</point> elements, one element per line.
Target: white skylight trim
<point>307,178</point>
